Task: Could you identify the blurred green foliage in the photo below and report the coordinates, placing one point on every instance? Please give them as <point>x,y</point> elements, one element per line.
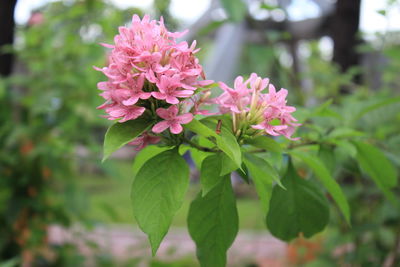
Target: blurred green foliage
<point>48,112</point>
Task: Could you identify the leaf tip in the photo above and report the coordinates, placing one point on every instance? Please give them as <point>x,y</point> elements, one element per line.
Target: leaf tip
<point>154,245</point>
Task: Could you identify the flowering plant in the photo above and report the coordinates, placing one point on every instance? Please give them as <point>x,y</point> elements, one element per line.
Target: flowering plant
<point>158,95</point>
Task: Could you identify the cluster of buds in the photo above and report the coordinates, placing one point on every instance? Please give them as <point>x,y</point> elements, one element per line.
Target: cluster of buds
<point>151,74</point>
<point>255,112</point>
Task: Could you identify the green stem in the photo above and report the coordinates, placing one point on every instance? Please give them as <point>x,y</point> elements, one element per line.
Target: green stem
<point>199,147</point>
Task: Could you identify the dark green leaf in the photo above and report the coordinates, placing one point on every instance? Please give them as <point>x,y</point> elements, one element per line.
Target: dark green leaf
<point>213,223</point>
<point>119,134</point>
<point>376,165</point>
<point>379,168</point>
<point>327,156</point>
<point>158,192</point>
<point>327,180</point>
<point>244,173</point>
<point>210,173</point>
<point>264,166</point>
<point>227,165</point>
<point>262,175</point>
<point>301,208</point>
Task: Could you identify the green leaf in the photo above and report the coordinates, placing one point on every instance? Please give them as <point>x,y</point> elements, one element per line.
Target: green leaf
<point>376,165</point>
<point>226,141</point>
<point>327,156</point>
<point>342,132</point>
<point>197,155</point>
<point>324,110</point>
<point>375,106</point>
<point>244,173</point>
<point>227,165</point>
<point>236,9</point>
<point>262,178</point>
<point>145,154</point>
<point>265,167</point>
<point>158,192</point>
<point>302,208</point>
<point>266,143</point>
<point>327,180</point>
<point>199,128</point>
<point>347,147</point>
<point>213,223</point>
<point>210,173</point>
<point>229,145</point>
<point>119,134</point>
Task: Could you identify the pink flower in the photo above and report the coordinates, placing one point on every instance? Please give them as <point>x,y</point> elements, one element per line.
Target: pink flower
<point>252,107</point>
<point>135,91</point>
<point>275,108</point>
<point>147,61</point>
<point>170,89</point>
<point>171,120</point>
<point>144,140</point>
<point>234,100</point>
<point>124,113</point>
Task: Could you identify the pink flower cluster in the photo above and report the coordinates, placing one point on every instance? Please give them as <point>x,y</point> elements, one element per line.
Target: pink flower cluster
<point>253,110</point>
<point>150,72</point>
<point>152,75</point>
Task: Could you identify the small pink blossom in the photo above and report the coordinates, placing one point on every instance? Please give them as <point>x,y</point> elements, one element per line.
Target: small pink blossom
<point>170,89</point>
<point>135,91</point>
<point>171,120</point>
<point>234,100</point>
<point>249,105</point>
<point>124,113</point>
<point>144,140</point>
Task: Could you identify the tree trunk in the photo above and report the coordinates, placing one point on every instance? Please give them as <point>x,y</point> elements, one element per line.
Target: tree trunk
<point>7,24</point>
<point>345,24</point>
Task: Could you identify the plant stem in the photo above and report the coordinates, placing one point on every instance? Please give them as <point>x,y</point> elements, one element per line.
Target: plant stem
<point>199,147</point>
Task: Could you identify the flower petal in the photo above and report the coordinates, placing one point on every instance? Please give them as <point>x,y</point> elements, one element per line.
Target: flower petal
<point>176,128</point>
<point>160,127</point>
<point>184,118</point>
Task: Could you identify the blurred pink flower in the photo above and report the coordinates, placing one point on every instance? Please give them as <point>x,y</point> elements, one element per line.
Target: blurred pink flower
<point>36,18</point>
<point>144,140</point>
<point>171,120</point>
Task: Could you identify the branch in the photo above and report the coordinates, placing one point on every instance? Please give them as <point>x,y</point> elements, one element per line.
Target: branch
<point>199,147</point>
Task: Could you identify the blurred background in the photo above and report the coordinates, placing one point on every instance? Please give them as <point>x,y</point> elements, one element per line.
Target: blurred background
<point>59,206</point>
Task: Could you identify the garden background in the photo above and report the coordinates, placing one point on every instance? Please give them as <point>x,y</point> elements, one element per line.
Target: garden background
<point>60,206</point>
